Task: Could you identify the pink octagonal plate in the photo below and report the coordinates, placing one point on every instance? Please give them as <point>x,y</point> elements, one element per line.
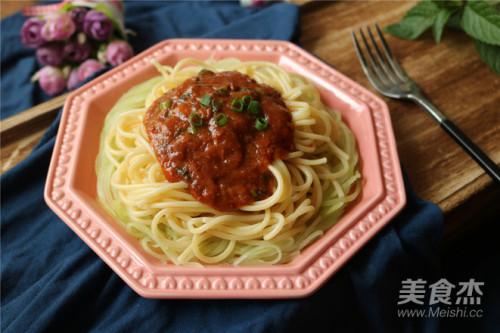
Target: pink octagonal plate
<point>70,190</point>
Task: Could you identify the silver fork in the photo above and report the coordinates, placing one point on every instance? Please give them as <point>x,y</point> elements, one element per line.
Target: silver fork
<point>389,78</point>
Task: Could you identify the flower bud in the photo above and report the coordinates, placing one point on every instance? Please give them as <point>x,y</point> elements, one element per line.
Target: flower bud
<point>76,52</point>
<point>97,25</point>
<point>58,26</point>
<point>73,79</point>
<point>78,16</point>
<point>31,32</point>
<point>118,51</point>
<point>88,68</point>
<point>51,80</point>
<point>50,54</point>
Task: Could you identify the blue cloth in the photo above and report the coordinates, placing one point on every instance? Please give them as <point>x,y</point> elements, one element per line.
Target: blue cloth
<point>153,22</point>
<point>52,282</point>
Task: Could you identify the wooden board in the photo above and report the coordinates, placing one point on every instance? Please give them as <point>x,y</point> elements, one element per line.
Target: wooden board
<point>451,74</point>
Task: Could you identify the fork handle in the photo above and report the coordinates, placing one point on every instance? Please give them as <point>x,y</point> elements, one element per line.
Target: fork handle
<point>463,140</point>
<point>474,151</point>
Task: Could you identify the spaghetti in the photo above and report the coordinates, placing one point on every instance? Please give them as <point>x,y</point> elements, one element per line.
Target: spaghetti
<point>312,184</point>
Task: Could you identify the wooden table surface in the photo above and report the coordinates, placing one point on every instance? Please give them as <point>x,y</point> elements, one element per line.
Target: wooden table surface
<point>450,73</point>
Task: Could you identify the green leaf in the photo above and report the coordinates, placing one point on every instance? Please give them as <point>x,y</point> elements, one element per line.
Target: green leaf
<point>455,20</point>
<point>416,21</point>
<point>449,3</point>
<point>482,21</point>
<point>67,6</point>
<point>441,19</point>
<point>490,55</point>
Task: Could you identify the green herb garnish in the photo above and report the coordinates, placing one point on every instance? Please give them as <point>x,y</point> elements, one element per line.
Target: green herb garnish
<point>165,104</point>
<point>221,119</point>
<point>205,100</point>
<point>254,107</point>
<point>222,91</point>
<point>261,124</point>
<point>246,99</point>
<point>216,105</point>
<point>237,105</point>
<point>195,121</point>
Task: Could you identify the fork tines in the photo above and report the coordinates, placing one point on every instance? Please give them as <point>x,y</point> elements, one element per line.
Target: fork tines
<point>382,69</point>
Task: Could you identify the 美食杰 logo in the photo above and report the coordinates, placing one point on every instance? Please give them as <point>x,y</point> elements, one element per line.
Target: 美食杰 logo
<point>442,298</point>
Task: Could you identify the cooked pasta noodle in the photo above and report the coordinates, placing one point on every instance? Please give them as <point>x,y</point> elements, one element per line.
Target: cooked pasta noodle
<point>314,183</point>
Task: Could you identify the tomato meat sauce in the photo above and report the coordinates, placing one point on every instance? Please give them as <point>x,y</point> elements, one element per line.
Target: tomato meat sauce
<point>218,132</point>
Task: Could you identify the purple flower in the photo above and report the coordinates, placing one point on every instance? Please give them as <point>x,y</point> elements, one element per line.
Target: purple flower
<point>97,25</point>
<point>76,52</point>
<point>78,16</point>
<point>88,68</point>
<point>50,54</point>
<point>59,26</point>
<point>73,79</point>
<point>51,80</point>
<point>31,32</point>
<point>118,52</point>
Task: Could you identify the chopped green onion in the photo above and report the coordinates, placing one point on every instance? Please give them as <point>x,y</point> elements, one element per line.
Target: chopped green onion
<point>222,91</point>
<point>254,107</point>
<point>237,105</point>
<point>216,106</point>
<point>246,99</point>
<point>195,119</point>
<point>165,104</point>
<point>261,124</point>
<point>221,119</point>
<point>205,100</point>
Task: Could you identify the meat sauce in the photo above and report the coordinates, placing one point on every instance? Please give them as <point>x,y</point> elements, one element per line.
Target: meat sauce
<point>218,132</point>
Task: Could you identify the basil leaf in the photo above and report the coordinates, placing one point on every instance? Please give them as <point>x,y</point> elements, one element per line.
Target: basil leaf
<point>441,19</point>
<point>449,3</point>
<point>416,21</point>
<point>482,21</point>
<point>490,55</point>
<point>455,21</point>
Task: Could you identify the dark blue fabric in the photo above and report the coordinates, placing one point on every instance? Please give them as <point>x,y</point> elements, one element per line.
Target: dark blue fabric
<point>152,21</point>
<point>52,282</point>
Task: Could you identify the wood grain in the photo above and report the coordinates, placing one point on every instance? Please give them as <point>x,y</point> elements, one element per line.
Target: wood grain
<point>9,7</point>
<point>19,125</point>
<point>16,151</point>
<point>451,74</point>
